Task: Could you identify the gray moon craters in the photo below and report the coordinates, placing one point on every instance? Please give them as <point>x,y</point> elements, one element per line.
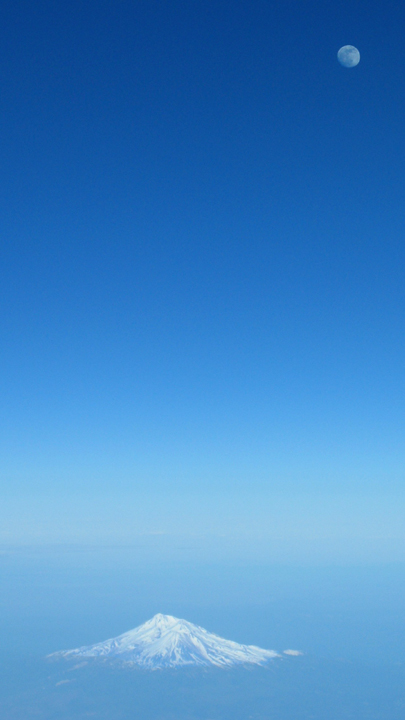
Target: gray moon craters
<point>348,56</point>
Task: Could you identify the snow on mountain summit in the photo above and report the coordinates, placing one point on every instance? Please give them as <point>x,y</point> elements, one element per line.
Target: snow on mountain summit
<point>166,641</point>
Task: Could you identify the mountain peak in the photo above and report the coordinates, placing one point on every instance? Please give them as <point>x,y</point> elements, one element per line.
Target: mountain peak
<point>163,620</point>
<point>167,641</point>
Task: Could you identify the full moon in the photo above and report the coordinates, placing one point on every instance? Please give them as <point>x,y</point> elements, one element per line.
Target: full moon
<point>348,56</point>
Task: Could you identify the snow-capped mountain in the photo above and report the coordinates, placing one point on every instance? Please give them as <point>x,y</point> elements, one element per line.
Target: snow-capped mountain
<point>166,641</point>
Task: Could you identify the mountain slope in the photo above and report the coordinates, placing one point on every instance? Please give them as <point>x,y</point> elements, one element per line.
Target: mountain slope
<point>166,641</point>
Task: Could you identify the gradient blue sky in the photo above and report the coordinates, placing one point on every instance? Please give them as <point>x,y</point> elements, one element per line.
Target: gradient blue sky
<point>202,290</point>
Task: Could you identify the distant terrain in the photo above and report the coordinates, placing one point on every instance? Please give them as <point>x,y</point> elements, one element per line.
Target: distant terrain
<point>302,689</point>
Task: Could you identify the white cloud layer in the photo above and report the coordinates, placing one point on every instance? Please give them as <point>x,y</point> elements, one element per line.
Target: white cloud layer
<point>292,652</point>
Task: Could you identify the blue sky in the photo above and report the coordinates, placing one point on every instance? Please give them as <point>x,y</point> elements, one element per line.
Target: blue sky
<point>202,292</point>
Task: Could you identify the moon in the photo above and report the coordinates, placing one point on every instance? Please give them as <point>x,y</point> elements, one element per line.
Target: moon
<point>348,56</point>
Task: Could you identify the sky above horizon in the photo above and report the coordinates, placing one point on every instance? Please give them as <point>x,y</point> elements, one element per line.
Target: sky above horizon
<point>202,291</point>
